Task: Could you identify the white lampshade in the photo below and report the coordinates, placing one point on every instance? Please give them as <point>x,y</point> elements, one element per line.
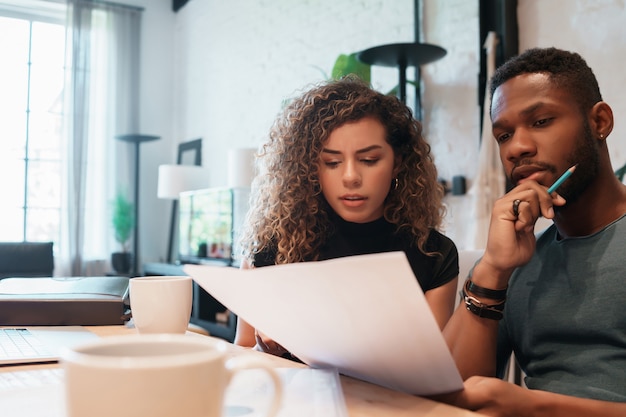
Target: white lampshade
<point>174,179</point>
<point>241,167</point>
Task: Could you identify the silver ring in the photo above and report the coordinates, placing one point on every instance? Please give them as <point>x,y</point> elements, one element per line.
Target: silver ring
<point>516,204</point>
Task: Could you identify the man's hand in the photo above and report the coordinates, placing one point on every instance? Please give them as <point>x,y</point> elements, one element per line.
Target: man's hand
<point>496,398</point>
<point>491,397</point>
<point>511,241</point>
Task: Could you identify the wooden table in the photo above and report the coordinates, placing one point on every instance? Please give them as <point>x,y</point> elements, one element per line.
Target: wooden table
<point>363,399</point>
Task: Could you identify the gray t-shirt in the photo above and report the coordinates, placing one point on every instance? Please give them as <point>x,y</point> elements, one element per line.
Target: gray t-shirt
<point>565,315</point>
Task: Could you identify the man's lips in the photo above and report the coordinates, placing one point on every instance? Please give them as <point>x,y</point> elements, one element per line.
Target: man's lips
<point>526,172</point>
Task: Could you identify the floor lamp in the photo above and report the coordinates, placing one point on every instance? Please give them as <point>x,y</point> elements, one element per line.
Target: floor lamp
<point>136,139</point>
<point>186,175</point>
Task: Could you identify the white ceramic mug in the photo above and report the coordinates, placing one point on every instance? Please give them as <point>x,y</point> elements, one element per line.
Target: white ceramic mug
<point>161,375</point>
<point>161,304</point>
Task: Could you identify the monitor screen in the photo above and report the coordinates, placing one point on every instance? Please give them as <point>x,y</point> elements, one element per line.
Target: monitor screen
<point>209,221</point>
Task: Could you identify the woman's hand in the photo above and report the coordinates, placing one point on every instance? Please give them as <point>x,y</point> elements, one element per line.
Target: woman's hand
<point>267,345</point>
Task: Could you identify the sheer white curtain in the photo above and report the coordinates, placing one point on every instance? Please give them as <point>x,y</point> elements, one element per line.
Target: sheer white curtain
<point>490,183</point>
<point>101,101</point>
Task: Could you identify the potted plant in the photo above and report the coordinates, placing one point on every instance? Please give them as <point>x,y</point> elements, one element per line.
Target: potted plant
<point>349,64</point>
<point>123,223</point>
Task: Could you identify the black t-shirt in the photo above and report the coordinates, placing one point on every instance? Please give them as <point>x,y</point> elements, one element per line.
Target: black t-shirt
<point>349,239</point>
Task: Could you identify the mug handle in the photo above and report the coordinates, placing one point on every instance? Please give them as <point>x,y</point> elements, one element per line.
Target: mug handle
<point>241,363</point>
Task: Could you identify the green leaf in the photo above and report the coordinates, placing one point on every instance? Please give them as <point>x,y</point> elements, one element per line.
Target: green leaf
<point>349,64</point>
<point>395,90</point>
<point>123,219</point>
<point>621,172</point>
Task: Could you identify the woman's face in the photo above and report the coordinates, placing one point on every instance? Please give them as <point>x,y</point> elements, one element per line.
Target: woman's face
<point>356,169</point>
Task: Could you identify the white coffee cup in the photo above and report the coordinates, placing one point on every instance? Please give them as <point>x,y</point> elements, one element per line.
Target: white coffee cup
<point>161,304</point>
<point>161,375</point>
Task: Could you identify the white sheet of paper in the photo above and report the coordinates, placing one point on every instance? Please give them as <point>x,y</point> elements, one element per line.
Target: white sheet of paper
<point>365,316</point>
<point>306,393</point>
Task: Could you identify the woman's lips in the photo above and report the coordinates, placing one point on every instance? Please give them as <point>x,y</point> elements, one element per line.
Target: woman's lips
<point>353,200</point>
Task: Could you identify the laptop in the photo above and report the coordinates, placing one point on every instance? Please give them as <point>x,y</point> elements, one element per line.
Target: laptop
<point>26,344</point>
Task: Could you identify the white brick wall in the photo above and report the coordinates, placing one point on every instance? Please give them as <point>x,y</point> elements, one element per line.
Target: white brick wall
<point>237,61</point>
<point>243,58</point>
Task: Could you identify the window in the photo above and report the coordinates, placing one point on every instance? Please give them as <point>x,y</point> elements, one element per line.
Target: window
<point>59,110</point>
<point>31,82</point>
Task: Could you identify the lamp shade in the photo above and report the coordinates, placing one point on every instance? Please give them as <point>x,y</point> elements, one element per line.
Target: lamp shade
<point>241,167</point>
<point>174,179</point>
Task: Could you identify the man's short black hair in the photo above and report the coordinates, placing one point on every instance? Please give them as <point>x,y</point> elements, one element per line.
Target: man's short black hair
<point>566,70</point>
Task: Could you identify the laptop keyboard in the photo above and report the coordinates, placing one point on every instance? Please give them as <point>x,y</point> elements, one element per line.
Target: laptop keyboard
<point>19,341</point>
<point>31,378</point>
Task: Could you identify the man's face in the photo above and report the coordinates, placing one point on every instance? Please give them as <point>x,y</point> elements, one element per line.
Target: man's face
<point>541,133</point>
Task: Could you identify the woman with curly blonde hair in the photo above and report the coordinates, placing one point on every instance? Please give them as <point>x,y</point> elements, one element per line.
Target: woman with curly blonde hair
<point>346,172</point>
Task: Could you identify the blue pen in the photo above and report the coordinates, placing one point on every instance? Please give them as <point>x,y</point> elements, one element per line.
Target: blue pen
<point>562,178</point>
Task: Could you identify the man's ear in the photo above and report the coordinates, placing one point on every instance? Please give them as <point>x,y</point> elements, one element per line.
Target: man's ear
<point>601,120</point>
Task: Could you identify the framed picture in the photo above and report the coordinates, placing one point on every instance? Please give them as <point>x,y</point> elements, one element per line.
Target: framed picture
<point>190,153</point>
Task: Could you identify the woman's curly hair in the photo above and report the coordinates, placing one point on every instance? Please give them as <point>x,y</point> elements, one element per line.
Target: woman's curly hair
<point>288,212</point>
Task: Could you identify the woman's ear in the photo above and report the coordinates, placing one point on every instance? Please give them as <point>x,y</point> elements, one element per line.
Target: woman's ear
<point>601,120</point>
<point>397,163</point>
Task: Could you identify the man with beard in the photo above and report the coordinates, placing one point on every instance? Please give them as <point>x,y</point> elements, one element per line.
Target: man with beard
<point>556,299</point>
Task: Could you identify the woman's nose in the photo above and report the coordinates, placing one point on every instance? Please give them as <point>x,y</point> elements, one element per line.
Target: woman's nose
<point>351,174</point>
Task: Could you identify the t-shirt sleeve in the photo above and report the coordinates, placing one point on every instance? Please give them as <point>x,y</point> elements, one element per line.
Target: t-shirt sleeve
<point>439,269</point>
<point>447,265</point>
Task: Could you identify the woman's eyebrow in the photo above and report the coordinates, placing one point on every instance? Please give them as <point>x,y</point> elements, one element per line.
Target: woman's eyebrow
<point>367,149</point>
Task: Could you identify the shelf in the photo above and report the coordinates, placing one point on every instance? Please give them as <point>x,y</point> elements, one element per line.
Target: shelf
<point>401,55</point>
<point>396,54</point>
<point>136,138</point>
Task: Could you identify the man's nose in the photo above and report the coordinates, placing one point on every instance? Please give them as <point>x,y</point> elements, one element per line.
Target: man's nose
<point>520,145</point>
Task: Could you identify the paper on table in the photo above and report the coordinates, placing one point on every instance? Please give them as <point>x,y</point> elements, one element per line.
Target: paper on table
<point>363,315</point>
<point>306,393</point>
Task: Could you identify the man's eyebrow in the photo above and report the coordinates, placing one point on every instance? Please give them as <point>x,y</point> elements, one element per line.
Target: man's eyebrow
<point>524,112</point>
<point>533,108</point>
<point>367,149</point>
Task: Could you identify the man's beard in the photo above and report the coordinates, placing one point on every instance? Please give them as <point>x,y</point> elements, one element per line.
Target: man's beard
<point>587,155</point>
